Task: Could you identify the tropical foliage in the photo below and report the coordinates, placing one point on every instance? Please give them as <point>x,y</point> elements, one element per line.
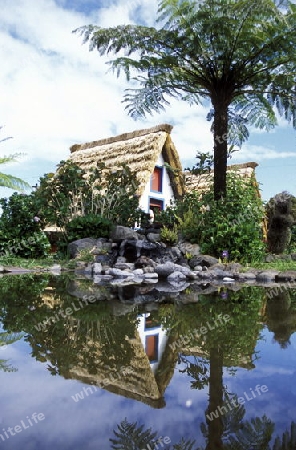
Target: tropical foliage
<point>235,223</point>
<point>74,192</point>
<point>20,228</point>
<point>238,55</point>
<point>10,181</point>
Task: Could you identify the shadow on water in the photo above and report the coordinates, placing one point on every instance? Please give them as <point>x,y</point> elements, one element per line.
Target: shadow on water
<point>103,343</point>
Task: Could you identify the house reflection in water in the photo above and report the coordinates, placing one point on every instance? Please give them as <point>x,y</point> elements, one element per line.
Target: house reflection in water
<point>153,338</point>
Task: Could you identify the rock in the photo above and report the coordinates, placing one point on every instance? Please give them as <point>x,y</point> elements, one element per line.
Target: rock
<point>164,270</point>
<point>124,266</point>
<point>288,275</point>
<point>176,276</point>
<point>150,280</point>
<point>121,259</point>
<point>1,269</point>
<point>97,268</point>
<point>138,272</point>
<point>150,276</point>
<point>153,237</point>
<point>106,259</point>
<point>228,280</point>
<point>283,257</point>
<point>148,269</point>
<point>123,281</point>
<point>203,260</point>
<point>219,273</point>
<point>119,273</point>
<point>144,261</point>
<point>269,258</point>
<point>207,274</point>
<point>266,275</point>
<point>75,247</point>
<point>176,252</point>
<point>97,279</point>
<point>172,286</point>
<point>233,267</point>
<point>55,269</point>
<point>120,233</point>
<point>191,249</point>
<point>88,269</point>
<point>197,268</point>
<point>246,276</point>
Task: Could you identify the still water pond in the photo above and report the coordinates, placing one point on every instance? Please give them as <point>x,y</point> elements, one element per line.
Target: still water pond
<point>95,368</point>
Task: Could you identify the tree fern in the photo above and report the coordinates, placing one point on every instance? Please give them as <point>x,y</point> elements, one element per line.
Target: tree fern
<point>131,436</point>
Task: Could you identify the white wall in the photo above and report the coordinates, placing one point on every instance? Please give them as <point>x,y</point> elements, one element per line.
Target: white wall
<point>162,338</point>
<point>167,192</point>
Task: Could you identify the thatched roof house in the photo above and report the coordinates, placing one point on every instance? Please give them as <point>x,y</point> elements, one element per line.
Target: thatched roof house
<point>150,153</point>
<point>201,183</point>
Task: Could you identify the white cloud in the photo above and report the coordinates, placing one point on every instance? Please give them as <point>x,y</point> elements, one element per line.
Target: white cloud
<point>55,93</point>
<point>259,153</point>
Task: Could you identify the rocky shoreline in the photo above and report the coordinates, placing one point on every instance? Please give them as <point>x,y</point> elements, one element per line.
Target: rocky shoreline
<point>132,258</point>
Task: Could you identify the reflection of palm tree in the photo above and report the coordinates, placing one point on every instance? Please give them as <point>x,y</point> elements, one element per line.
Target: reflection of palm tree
<point>225,428</point>
<point>288,441</point>
<point>131,436</point>
<point>7,338</point>
<point>249,435</point>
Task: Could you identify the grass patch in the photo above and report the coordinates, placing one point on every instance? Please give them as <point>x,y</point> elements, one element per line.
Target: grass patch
<point>24,263</point>
<point>281,265</point>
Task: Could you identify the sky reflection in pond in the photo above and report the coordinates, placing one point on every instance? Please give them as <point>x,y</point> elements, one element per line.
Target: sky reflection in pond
<point>153,382</point>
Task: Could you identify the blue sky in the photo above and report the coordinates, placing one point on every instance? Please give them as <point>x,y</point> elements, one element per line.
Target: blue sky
<point>55,93</point>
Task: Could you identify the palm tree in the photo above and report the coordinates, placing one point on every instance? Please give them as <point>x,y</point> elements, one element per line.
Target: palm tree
<point>10,181</point>
<point>7,338</point>
<point>237,54</point>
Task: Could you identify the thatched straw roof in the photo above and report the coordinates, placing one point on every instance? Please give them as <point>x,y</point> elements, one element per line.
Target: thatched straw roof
<point>135,381</point>
<point>201,183</point>
<point>139,150</point>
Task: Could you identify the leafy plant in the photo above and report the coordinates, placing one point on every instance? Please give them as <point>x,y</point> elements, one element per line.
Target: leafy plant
<point>233,223</point>
<point>73,193</point>
<point>217,50</point>
<point>10,181</point>
<point>21,229</point>
<point>85,256</point>
<point>90,225</point>
<point>169,236</point>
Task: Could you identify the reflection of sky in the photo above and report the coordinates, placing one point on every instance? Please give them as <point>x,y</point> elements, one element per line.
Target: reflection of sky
<point>89,423</point>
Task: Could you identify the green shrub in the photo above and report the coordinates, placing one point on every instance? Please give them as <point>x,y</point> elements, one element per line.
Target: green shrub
<point>168,236</point>
<point>20,228</point>
<point>233,223</point>
<point>91,225</point>
<point>73,191</point>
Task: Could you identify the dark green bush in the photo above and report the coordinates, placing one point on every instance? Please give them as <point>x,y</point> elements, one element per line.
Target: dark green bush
<point>91,225</point>
<point>20,228</point>
<point>233,224</point>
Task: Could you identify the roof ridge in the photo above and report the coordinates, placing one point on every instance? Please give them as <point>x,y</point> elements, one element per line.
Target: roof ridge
<point>122,137</point>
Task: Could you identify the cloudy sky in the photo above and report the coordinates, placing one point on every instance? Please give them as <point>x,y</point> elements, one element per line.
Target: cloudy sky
<point>55,93</point>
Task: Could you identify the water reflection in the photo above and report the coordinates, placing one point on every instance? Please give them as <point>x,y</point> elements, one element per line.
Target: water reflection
<point>135,349</point>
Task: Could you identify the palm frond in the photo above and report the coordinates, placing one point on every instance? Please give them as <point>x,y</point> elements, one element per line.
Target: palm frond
<point>12,182</point>
<point>131,436</point>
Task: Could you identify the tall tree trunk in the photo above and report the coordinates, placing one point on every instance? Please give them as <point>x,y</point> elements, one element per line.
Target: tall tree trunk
<point>220,148</point>
<point>215,426</point>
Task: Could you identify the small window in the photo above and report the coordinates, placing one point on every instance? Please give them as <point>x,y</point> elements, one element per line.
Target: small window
<point>155,204</point>
<point>151,347</point>
<point>156,180</point>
